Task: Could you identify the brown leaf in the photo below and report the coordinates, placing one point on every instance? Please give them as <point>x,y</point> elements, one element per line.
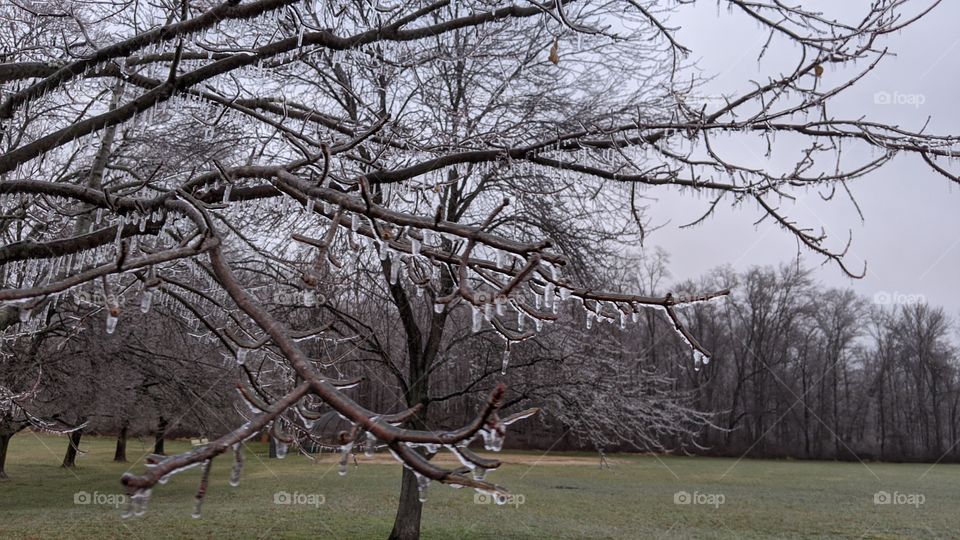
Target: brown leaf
<point>817,70</point>
<point>554,56</point>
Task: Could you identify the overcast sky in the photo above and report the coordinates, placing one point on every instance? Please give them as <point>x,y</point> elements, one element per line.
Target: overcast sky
<point>910,238</point>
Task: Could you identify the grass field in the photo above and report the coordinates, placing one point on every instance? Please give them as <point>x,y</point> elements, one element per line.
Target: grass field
<point>559,495</point>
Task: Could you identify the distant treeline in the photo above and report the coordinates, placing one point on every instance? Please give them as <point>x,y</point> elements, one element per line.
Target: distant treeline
<point>798,370</point>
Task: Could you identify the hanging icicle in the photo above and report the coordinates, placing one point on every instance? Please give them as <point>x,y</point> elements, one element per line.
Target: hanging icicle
<point>237,465</point>
<point>202,489</point>
<point>506,359</point>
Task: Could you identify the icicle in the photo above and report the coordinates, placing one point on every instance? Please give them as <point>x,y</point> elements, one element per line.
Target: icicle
<point>414,246</point>
<point>281,448</point>
<point>548,295</point>
<point>500,305</point>
<point>242,355</point>
<point>113,313</point>
<point>492,439</point>
<point>590,316</point>
<point>119,237</point>
<point>354,222</point>
<point>438,308</point>
<point>202,490</point>
<point>371,447</point>
<point>137,505</point>
<point>422,484</point>
<point>310,205</point>
<point>477,319</point>
<point>394,268</point>
<point>144,501</point>
<point>237,465</point>
<point>521,319</point>
<point>145,299</point>
<point>488,311</point>
<point>699,360</point>
<point>506,359</point>
<point>226,192</point>
<point>309,298</point>
<point>344,457</point>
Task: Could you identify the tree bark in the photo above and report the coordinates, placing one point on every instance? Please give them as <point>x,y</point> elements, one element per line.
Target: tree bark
<point>121,453</point>
<point>406,526</point>
<point>73,444</point>
<point>4,444</point>
<point>421,354</point>
<point>161,432</point>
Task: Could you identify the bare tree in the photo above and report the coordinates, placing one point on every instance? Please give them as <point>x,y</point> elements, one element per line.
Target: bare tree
<point>188,151</point>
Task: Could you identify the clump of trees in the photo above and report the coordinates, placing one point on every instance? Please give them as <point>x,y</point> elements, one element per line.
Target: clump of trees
<point>815,372</point>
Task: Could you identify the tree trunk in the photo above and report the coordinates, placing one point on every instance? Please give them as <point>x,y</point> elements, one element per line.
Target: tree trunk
<point>73,444</point>
<point>421,353</point>
<point>121,453</point>
<point>4,444</point>
<point>161,431</point>
<point>407,524</point>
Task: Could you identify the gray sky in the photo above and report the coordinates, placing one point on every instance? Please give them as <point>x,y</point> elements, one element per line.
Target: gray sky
<point>911,234</point>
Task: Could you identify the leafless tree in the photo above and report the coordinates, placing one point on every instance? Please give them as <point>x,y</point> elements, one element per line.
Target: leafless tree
<point>189,150</point>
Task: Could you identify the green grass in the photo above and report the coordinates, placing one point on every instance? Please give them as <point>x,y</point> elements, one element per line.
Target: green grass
<point>635,499</point>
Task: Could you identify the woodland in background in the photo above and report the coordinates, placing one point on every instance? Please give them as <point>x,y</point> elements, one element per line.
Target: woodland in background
<point>799,371</point>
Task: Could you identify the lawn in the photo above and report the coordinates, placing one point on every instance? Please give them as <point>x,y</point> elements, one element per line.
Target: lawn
<point>560,495</point>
